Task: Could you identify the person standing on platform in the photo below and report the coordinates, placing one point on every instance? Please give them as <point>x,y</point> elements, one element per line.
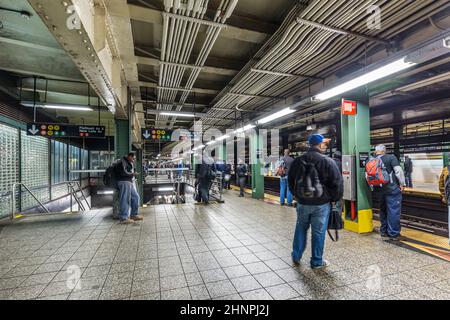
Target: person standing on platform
<point>204,175</point>
<point>242,173</point>
<point>444,188</point>
<point>408,172</point>
<point>390,195</point>
<point>227,177</point>
<point>128,196</point>
<point>317,184</point>
<point>283,172</point>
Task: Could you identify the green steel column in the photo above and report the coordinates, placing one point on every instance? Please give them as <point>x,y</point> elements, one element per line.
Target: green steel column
<point>256,152</point>
<point>122,140</point>
<point>356,140</point>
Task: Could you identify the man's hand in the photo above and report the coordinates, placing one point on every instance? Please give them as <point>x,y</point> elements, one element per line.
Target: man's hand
<point>402,188</point>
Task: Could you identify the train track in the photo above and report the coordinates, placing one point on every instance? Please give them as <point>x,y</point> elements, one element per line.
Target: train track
<point>420,210</point>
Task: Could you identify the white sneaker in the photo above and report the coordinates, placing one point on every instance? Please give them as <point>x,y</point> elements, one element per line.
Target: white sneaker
<point>325,264</point>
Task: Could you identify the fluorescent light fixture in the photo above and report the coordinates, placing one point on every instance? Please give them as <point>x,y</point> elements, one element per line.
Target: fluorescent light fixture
<point>58,106</point>
<point>199,147</point>
<point>276,115</point>
<point>105,192</point>
<point>163,189</point>
<point>222,137</point>
<point>177,114</point>
<point>246,128</point>
<point>367,78</point>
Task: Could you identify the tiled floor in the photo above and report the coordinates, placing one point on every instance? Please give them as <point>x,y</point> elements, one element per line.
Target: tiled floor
<point>236,250</point>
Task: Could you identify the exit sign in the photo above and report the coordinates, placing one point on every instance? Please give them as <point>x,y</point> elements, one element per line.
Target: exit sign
<point>349,107</point>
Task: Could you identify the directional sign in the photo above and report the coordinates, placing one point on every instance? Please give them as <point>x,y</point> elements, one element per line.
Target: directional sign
<point>157,135</point>
<point>65,131</point>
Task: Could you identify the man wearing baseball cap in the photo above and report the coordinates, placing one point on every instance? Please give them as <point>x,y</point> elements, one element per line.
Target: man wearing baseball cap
<point>316,182</point>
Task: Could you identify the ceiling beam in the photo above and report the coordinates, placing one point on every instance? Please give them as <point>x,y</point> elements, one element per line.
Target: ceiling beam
<point>196,90</point>
<point>236,31</point>
<point>207,69</point>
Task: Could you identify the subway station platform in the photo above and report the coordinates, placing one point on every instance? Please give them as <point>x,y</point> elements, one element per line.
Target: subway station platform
<point>236,250</point>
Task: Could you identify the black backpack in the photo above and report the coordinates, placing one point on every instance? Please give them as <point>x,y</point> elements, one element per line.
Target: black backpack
<point>110,177</point>
<point>307,182</point>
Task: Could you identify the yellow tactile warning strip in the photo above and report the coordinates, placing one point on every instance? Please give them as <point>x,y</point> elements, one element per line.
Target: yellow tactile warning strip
<point>269,198</point>
<point>426,242</point>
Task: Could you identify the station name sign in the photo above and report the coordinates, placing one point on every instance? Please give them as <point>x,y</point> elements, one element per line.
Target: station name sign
<point>50,130</point>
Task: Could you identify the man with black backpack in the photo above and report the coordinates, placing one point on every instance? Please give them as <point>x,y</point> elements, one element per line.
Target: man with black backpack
<point>317,183</point>
<point>204,175</point>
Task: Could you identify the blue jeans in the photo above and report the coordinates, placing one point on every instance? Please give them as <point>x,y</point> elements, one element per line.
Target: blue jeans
<point>203,188</point>
<point>129,200</point>
<point>284,188</point>
<point>317,217</point>
<point>390,211</point>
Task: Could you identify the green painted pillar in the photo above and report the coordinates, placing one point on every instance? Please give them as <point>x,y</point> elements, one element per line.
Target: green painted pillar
<point>122,139</point>
<point>256,152</point>
<point>355,131</point>
<point>446,159</point>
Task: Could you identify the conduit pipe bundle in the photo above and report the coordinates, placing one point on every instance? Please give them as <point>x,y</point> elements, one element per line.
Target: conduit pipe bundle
<point>299,49</point>
<point>179,36</point>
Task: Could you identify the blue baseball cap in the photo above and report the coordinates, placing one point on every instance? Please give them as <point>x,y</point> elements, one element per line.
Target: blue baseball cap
<point>316,139</point>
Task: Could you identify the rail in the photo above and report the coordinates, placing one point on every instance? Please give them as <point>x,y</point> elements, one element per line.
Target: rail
<point>17,184</point>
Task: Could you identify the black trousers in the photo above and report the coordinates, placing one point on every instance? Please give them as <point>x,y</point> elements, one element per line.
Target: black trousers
<point>242,181</point>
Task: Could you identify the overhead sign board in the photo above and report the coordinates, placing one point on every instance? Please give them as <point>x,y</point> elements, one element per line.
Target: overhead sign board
<point>50,130</point>
<point>157,135</point>
<point>349,107</point>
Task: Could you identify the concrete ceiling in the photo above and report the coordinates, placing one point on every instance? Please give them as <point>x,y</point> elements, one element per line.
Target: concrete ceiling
<point>28,50</point>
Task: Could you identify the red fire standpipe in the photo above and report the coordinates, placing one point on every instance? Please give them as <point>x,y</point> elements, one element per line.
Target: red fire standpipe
<point>353,210</point>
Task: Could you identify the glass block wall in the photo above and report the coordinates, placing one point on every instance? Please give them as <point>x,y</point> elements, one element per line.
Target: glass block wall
<point>9,166</point>
<point>27,158</point>
<point>35,171</point>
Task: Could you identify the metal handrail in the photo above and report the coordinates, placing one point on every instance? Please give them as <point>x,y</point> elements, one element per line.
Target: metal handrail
<point>70,184</point>
<point>15,185</point>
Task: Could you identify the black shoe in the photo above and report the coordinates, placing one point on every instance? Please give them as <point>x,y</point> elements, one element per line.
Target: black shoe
<point>241,196</point>
<point>282,204</point>
<point>290,205</point>
<point>397,238</point>
<point>295,263</point>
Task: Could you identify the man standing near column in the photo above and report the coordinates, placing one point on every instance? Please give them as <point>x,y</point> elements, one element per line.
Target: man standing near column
<point>283,172</point>
<point>128,195</point>
<point>390,195</point>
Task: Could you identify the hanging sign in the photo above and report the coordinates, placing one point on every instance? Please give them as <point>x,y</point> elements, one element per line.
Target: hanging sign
<point>65,130</point>
<point>157,135</point>
<point>349,107</point>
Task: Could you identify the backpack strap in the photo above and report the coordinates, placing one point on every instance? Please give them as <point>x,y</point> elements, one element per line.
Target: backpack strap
<point>336,234</point>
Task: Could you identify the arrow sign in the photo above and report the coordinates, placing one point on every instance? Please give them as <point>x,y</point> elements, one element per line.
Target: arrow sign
<point>146,134</point>
<point>33,130</point>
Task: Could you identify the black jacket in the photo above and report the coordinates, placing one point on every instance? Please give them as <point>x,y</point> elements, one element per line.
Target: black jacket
<point>125,170</point>
<point>329,176</point>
